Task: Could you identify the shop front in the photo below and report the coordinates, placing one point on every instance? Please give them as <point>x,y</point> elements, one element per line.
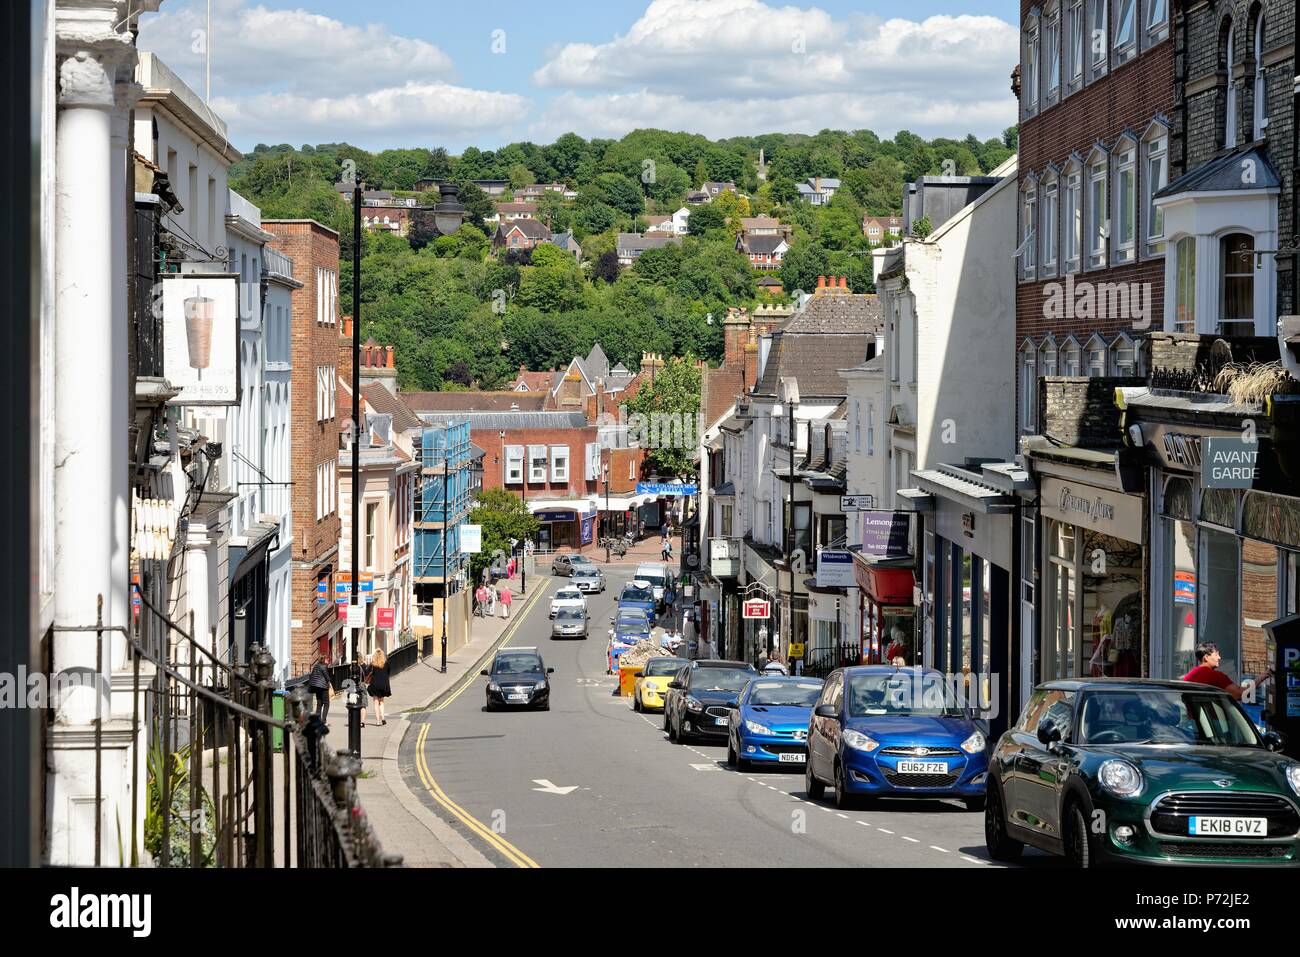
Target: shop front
<point>1092,550</point>
<point>888,614</point>
<point>568,528</point>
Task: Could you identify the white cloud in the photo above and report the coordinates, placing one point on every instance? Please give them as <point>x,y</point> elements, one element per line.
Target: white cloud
<point>297,76</point>
<point>709,62</point>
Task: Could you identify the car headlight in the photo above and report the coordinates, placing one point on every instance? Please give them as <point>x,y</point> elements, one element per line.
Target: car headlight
<point>694,704</point>
<point>493,686</point>
<point>1293,777</point>
<point>753,727</point>
<point>974,744</point>
<point>860,741</point>
<point>1119,778</point>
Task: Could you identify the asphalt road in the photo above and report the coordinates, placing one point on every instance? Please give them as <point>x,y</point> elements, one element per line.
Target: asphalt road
<point>637,799</point>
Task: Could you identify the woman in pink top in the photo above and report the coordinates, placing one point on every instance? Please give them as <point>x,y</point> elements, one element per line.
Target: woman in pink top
<point>505,602</point>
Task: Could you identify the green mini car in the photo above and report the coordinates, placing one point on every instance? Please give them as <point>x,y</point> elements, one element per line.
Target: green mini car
<point>1126,770</point>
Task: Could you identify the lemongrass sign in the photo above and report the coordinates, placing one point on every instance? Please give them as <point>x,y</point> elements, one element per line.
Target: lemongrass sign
<point>200,316</point>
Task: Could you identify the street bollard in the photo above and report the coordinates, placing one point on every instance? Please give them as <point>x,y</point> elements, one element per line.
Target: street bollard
<point>354,720</point>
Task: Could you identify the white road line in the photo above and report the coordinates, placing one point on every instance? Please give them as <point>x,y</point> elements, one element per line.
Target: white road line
<point>845,816</point>
<point>912,839</point>
<point>936,847</point>
<point>885,829</point>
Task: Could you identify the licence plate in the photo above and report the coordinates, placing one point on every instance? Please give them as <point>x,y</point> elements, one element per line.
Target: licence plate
<point>719,720</point>
<point>518,697</point>
<point>794,757</point>
<point>1228,826</point>
<point>922,767</point>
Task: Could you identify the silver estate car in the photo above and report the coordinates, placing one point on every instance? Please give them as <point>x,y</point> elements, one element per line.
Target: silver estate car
<point>569,623</point>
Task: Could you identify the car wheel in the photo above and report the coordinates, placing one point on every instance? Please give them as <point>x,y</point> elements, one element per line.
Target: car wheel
<point>812,785</point>
<point>974,804</point>
<point>672,730</point>
<point>1002,847</point>
<point>1079,851</point>
<point>636,702</point>
<point>665,718</point>
<point>731,753</point>
<point>843,799</point>
<point>683,735</point>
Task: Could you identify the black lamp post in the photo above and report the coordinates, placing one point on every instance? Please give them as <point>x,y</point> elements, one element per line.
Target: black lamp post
<point>604,471</point>
<point>790,393</point>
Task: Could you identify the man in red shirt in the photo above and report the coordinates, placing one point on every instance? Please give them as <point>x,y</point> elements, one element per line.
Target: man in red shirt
<point>1207,670</point>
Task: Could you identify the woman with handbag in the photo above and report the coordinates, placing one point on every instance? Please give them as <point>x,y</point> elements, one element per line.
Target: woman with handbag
<point>379,686</point>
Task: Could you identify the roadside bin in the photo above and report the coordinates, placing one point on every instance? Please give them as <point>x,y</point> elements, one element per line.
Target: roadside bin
<point>277,712</point>
<point>627,675</point>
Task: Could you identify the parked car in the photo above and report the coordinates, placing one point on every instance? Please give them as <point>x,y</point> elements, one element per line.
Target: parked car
<point>565,564</point>
<point>588,579</point>
<point>770,721</point>
<point>569,623</point>
<point>652,684</point>
<point>518,678</point>
<point>701,697</point>
<point>625,615</point>
<point>881,731</point>
<point>1177,771</point>
<point>655,574</point>
<point>568,597</point>
<point>637,594</point>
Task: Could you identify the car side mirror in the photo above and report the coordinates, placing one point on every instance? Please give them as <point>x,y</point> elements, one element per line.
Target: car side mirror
<point>1274,740</point>
<point>674,684</point>
<point>550,671</point>
<point>827,711</point>
<point>1049,733</point>
<point>483,672</point>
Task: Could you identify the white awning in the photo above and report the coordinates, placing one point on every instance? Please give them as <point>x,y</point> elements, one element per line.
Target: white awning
<point>584,507</point>
<point>621,503</point>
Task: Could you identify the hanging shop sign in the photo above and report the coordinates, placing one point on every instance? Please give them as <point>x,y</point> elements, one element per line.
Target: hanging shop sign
<point>756,608</point>
<point>886,534</point>
<point>200,314</point>
<point>856,503</point>
<point>835,568</point>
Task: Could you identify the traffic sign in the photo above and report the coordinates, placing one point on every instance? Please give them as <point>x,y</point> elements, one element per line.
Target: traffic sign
<point>757,608</point>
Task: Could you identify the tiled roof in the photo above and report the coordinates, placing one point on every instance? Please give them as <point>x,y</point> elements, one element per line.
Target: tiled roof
<point>516,420</point>
<point>529,227</point>
<point>427,402</point>
<point>812,359</point>
<point>1225,173</point>
<point>854,313</point>
<point>763,245</point>
<point>385,403</point>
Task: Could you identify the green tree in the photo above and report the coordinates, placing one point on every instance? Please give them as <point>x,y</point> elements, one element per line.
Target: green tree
<point>803,264</point>
<point>503,516</point>
<point>674,393</point>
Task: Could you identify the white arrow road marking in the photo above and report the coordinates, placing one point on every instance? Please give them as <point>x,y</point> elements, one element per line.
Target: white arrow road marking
<point>548,788</point>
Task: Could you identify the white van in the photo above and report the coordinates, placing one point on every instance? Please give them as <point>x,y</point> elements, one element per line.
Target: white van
<point>657,575</point>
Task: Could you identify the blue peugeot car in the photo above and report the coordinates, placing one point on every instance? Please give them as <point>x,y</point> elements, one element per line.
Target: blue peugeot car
<point>770,721</point>
<point>882,731</point>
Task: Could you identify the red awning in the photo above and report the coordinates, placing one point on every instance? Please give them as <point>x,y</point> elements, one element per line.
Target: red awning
<point>885,585</point>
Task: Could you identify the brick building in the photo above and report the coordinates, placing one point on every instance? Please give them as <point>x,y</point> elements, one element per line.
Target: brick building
<point>315,625</point>
<point>1096,88</point>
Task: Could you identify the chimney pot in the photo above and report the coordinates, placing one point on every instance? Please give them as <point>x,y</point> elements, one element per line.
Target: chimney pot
<point>821,282</point>
<point>390,357</point>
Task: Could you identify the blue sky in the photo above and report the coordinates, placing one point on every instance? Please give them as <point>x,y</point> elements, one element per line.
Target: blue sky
<point>389,73</point>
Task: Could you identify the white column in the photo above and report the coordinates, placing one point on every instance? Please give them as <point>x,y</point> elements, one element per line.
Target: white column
<point>90,474</point>
<point>119,410</point>
<point>198,584</point>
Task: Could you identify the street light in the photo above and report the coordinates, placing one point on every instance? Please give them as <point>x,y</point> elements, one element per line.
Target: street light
<point>523,498</point>
<point>604,469</point>
<point>790,396</point>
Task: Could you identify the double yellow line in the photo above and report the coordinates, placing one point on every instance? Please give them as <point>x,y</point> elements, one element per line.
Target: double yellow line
<point>507,850</point>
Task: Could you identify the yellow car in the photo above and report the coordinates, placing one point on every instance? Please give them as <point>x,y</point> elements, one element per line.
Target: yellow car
<point>652,684</point>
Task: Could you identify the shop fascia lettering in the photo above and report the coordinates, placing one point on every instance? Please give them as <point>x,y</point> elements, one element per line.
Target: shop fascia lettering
<point>1097,509</point>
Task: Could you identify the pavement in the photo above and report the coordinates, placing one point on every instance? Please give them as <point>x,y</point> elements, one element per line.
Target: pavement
<point>590,783</point>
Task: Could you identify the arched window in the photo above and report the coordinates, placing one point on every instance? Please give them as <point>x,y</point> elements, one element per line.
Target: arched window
<point>1070,356</point>
<point>1237,285</point>
<point>1260,94</point>
<point>1230,100</point>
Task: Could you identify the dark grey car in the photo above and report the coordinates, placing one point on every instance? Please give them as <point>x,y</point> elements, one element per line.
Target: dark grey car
<point>569,623</point>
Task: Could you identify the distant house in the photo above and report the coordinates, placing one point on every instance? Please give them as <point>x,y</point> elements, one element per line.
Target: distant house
<point>817,190</point>
<point>509,212</point>
<point>876,228</point>
<point>713,190</point>
<point>675,225</point>
<point>764,251</point>
<point>426,184</point>
<point>493,187</point>
<point>530,194</point>
<point>632,245</point>
<point>697,196</point>
<point>520,234</point>
<point>568,243</point>
<point>765,226</point>
<point>771,286</point>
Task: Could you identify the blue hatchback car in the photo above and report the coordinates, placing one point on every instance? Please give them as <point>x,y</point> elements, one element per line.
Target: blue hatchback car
<point>769,724</point>
<point>881,731</point>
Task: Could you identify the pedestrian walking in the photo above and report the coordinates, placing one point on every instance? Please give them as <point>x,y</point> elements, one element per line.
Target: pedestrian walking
<point>510,568</point>
<point>505,603</point>
<point>666,549</point>
<point>492,601</point>
<point>379,686</point>
<point>361,673</point>
<point>480,600</point>
<point>318,681</point>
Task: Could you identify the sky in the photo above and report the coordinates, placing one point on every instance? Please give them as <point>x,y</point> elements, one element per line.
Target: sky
<point>386,73</point>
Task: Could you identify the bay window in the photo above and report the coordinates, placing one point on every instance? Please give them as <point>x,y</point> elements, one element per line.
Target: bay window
<point>1029,77</point>
<point>514,464</point>
<point>560,464</point>
<point>1096,357</point>
<point>1047,357</point>
<point>1123,356</point>
<point>1237,299</point>
<point>1028,387</point>
<point>537,463</point>
<point>1185,284</point>
<point>1070,357</point>
<point>1028,209</point>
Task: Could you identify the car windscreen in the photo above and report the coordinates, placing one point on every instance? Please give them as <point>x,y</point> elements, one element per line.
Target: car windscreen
<point>1163,716</point>
<point>720,679</point>
<point>516,664</point>
<point>569,614</point>
<point>656,581</point>
<point>579,560</point>
<point>636,594</point>
<point>662,667</point>
<point>901,693</point>
<point>586,572</point>
<point>571,594</point>
<point>776,694</point>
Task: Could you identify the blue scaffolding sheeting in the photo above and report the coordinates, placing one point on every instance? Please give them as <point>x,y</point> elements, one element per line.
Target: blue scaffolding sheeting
<point>442,500</point>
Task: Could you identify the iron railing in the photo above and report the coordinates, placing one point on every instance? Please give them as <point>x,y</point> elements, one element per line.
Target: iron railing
<point>216,796</point>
